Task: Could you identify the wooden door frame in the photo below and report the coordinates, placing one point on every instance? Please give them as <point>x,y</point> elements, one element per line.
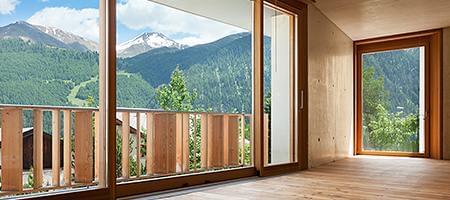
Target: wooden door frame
<point>300,11</point>
<point>432,41</point>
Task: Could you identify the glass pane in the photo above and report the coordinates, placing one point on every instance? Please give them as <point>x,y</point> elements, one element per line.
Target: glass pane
<point>393,100</point>
<point>184,87</point>
<point>48,54</point>
<point>278,86</point>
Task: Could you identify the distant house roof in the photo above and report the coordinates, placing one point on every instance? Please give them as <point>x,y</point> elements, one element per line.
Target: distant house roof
<point>29,130</point>
<point>25,131</point>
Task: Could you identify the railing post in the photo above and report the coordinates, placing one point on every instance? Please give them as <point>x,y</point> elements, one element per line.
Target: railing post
<point>38,167</point>
<point>56,162</point>
<point>67,147</point>
<point>195,141</point>
<point>179,142</point>
<point>125,145</point>
<point>252,141</point>
<point>185,142</point>
<point>12,149</point>
<point>138,144</point>
<point>96,144</point>
<point>232,151</point>
<point>150,137</point>
<point>204,141</point>
<point>83,147</point>
<point>226,140</point>
<point>165,149</point>
<point>243,140</point>
<point>266,139</point>
<point>215,141</point>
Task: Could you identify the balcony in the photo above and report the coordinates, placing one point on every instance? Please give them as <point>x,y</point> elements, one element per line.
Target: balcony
<point>170,144</point>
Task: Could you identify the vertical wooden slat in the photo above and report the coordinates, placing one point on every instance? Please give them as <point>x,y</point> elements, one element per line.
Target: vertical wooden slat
<point>195,142</point>
<point>266,139</point>
<point>12,157</point>
<point>215,141</point>
<point>164,143</point>
<point>179,142</point>
<point>204,141</point>
<point>185,142</point>
<point>125,144</point>
<point>56,165</point>
<point>38,168</point>
<point>138,144</point>
<point>84,172</point>
<point>100,149</point>
<point>150,136</point>
<point>226,141</point>
<point>243,139</point>
<point>233,141</point>
<point>252,142</point>
<point>67,147</point>
<point>96,145</point>
<point>171,142</point>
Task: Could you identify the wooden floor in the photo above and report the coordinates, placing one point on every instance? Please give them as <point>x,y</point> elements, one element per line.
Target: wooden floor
<point>361,177</point>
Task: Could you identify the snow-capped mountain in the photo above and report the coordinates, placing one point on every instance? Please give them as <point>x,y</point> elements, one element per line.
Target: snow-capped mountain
<point>48,36</point>
<point>146,42</point>
<point>69,38</point>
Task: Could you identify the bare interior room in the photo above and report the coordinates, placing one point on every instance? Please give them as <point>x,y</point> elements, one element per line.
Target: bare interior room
<point>235,99</point>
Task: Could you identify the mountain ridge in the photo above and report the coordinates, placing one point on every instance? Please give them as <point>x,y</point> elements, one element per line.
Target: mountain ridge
<point>145,42</point>
<point>46,35</point>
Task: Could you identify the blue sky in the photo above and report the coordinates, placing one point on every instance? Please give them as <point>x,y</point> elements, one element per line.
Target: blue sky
<point>133,18</point>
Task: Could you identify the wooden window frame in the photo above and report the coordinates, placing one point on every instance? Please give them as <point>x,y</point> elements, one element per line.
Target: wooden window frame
<point>432,41</point>
<point>107,10</point>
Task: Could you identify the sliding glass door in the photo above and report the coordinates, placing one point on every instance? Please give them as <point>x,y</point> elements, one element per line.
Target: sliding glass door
<point>279,86</point>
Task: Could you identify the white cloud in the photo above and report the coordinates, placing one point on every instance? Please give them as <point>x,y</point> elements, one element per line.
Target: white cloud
<point>82,22</point>
<point>8,6</point>
<point>143,14</point>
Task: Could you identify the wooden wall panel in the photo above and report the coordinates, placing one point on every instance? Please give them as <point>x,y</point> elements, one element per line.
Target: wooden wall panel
<point>330,70</point>
<point>436,139</point>
<point>446,93</point>
<point>164,141</point>
<point>83,146</point>
<point>12,155</point>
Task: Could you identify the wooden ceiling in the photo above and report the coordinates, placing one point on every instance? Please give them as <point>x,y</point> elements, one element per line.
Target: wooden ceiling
<point>363,19</point>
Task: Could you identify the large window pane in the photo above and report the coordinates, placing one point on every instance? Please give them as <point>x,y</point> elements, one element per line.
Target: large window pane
<point>278,86</point>
<point>184,87</point>
<point>48,55</point>
<point>393,100</point>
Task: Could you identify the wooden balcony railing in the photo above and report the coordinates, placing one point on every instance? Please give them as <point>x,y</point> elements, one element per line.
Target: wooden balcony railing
<point>154,143</point>
<point>183,142</point>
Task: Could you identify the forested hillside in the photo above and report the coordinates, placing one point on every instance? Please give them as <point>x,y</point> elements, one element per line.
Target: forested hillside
<point>36,74</point>
<point>32,73</point>
<point>400,70</point>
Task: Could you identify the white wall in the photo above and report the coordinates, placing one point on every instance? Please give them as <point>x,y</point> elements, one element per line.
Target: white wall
<point>330,79</point>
